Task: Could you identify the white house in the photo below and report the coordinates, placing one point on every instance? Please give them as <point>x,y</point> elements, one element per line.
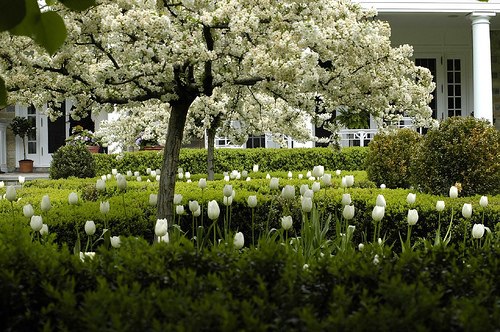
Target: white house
<point>459,41</point>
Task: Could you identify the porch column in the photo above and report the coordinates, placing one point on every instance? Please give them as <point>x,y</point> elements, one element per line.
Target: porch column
<point>483,95</point>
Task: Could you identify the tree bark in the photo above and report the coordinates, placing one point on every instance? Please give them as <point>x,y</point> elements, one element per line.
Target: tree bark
<point>165,207</point>
<point>210,153</point>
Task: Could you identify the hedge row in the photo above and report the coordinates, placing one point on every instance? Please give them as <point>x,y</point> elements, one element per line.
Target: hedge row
<point>138,218</point>
<point>172,287</point>
<point>226,160</point>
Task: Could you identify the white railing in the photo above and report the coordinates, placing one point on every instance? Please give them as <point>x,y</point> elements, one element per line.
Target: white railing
<point>356,137</point>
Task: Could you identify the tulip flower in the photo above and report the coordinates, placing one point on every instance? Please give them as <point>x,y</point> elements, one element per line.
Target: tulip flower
<point>104,177</point>
<point>100,185</point>
<point>274,183</point>
<point>300,176</point>
<point>376,260</point>
<point>202,183</point>
<point>73,198</point>
<point>213,210</point>
<point>318,171</point>
<point>177,199</point>
<point>467,210</point>
<point>307,204</point>
<point>179,209</point>
<point>197,213</point>
<point>308,174</point>
<point>108,176</point>
<point>161,227</point>
<point>46,206</point>
<point>378,213</point>
<point>361,246</point>
<point>158,177</point>
<point>165,238</point>
<point>338,172</point>
<point>343,183</point>
<point>382,186</point>
<point>453,192</point>
<point>153,199</point>
<point>412,217</point>
<point>290,175</point>
<point>28,211</point>
<point>268,176</point>
<point>255,168</point>
<point>244,174</point>
<point>187,175</point>
<point>483,202</point>
<point>153,174</point>
<point>239,240</point>
<point>104,207</point>
<point>180,176</point>
<point>227,201</point>
<point>90,227</point>
<point>410,199</point>
<point>228,190</point>
<point>327,179</point>
<point>129,174</point>
<point>346,199</point>
<point>136,173</point>
<point>316,186</point>
<point>440,206</point>
<point>121,182</point>
<point>10,195</point>
<point>2,184</point>
<point>348,212</point>
<point>21,179</point>
<point>349,179</point>
<point>303,189</point>
<point>286,222</point>
<point>288,192</point>
<point>115,242</point>
<point>193,206</point>
<point>381,201</point>
<point>114,171</point>
<point>45,230</point>
<point>148,170</point>
<point>139,179</point>
<point>252,201</point>
<point>36,223</point>
<point>226,178</point>
<point>478,231</point>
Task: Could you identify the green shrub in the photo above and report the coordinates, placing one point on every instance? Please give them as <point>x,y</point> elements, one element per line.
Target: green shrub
<point>226,160</point>
<point>388,158</point>
<point>72,160</point>
<point>464,150</point>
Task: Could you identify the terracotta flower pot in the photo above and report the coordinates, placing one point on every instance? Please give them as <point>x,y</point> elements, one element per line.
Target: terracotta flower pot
<point>26,166</point>
<point>152,148</point>
<point>93,148</point>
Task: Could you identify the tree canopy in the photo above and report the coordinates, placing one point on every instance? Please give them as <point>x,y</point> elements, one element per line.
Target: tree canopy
<point>268,64</point>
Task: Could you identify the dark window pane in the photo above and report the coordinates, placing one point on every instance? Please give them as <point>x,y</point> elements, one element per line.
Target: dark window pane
<point>458,113</point>
<point>457,78</point>
<point>449,64</point>
<point>451,113</point>
<point>458,103</point>
<point>450,77</point>
<point>450,90</point>
<point>458,90</point>
<point>31,147</point>
<point>450,103</point>
<point>457,64</point>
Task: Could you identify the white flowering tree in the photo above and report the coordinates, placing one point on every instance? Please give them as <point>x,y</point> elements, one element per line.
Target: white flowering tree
<point>267,64</point>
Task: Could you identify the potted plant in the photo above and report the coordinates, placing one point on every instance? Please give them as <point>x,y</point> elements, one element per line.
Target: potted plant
<point>148,141</point>
<point>23,127</point>
<point>84,137</point>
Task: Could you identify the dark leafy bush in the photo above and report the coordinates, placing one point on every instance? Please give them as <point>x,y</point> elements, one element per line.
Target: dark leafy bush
<point>389,156</point>
<point>72,160</point>
<point>464,150</point>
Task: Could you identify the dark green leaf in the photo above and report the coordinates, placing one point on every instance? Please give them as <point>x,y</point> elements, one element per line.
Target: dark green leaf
<point>3,93</point>
<point>27,27</point>
<point>50,31</point>
<point>11,13</point>
<point>78,4</point>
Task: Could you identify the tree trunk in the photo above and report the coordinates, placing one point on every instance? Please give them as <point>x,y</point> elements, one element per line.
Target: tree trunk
<point>170,160</point>
<point>210,153</point>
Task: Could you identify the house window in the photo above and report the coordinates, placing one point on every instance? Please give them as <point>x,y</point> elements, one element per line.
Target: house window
<point>256,141</point>
<point>31,142</point>
<point>454,87</point>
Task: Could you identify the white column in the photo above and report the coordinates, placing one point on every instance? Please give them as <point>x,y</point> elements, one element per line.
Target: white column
<point>483,95</point>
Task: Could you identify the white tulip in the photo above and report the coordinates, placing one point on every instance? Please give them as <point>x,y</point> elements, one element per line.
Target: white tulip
<point>21,179</point>
<point>316,186</point>
<point>139,179</point>
<point>180,176</point>
<point>115,242</point>
<point>73,198</point>
<point>300,176</point>
<point>10,195</point>
<point>412,217</point>
<point>467,210</point>
<point>348,212</point>
<point>318,171</point>
<point>179,209</point>
<point>338,172</point>
<point>202,183</point>
<point>136,173</point>
<point>288,192</point>
<point>104,177</point>
<point>274,183</point>
<point>161,227</point>
<point>483,202</point>
<point>129,174</point>
<point>349,179</point>
<point>239,240</point>
<point>478,231</point>
<point>327,179</point>
<point>121,181</point>
<point>226,178</point>
<point>308,193</point>
<point>252,201</point>
<point>440,206</point>
<point>187,175</point>
<point>244,174</point>
<point>228,190</point>
<point>46,206</point>
<point>286,222</point>
<point>90,227</point>
<point>194,206</point>
<point>378,213</point>
<point>303,189</point>
<point>255,168</point>
<point>177,199</point>
<point>153,174</point>
<point>28,211</point>
<point>308,174</point>
<point>104,207</point>
<point>213,210</point>
<point>227,201</point>
<point>45,230</point>
<point>114,171</point>
<point>346,199</point>
<point>453,192</point>
<point>361,246</point>
<point>381,201</point>
<point>307,204</point>
<point>36,223</point>
<point>197,213</point>
<point>410,199</point>
<point>100,185</point>
<point>153,199</point>
<point>2,184</point>
<point>382,186</point>
<point>148,170</point>
<point>290,175</point>
<point>268,176</point>
<point>108,176</point>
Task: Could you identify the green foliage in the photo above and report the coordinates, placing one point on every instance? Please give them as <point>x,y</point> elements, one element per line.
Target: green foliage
<point>389,156</point>
<point>72,160</point>
<point>226,160</point>
<point>464,150</point>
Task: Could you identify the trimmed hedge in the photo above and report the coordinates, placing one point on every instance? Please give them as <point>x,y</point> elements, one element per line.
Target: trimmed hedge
<point>226,160</point>
<point>172,287</point>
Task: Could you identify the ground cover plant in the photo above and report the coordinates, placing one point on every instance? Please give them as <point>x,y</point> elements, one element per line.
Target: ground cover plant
<point>339,254</point>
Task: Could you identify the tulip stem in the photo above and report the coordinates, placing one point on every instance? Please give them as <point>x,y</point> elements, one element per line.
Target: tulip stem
<point>408,238</point>
<point>253,227</point>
